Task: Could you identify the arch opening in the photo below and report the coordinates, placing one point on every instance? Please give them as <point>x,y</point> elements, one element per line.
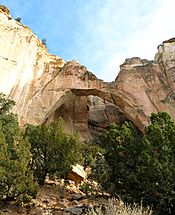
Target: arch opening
<point>87,113</point>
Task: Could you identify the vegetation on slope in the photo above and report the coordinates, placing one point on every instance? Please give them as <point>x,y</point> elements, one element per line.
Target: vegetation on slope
<point>53,150</point>
<point>140,167</point>
<point>16,178</point>
<point>128,164</point>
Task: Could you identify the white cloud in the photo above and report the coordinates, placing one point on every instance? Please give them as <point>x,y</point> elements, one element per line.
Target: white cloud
<point>159,28</point>
<point>107,31</point>
<point>115,30</point>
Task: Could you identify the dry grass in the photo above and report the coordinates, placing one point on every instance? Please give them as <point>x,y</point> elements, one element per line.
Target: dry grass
<point>115,207</point>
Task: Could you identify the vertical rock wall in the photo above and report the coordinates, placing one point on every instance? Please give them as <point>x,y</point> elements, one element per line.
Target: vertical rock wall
<point>45,87</point>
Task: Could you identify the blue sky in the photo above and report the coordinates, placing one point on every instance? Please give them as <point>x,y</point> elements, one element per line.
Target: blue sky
<point>98,33</point>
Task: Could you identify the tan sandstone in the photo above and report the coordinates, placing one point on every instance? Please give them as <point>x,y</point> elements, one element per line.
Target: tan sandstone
<point>45,87</point>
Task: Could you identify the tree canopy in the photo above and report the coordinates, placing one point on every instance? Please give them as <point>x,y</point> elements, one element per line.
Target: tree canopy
<point>142,166</point>
<point>53,150</point>
<point>136,166</point>
<point>16,178</point>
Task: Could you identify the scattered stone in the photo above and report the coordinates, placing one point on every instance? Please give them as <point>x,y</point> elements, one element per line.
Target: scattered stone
<point>77,174</point>
<point>63,203</point>
<point>46,201</point>
<point>4,211</point>
<point>77,196</point>
<point>74,202</point>
<point>47,211</point>
<point>69,183</point>
<point>75,210</point>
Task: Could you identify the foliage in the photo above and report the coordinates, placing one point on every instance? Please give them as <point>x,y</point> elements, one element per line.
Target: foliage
<point>53,150</point>
<point>158,163</point>
<point>90,150</point>
<point>8,120</point>
<point>142,165</point>
<point>18,19</point>
<point>86,188</point>
<point>121,150</point>
<point>101,172</point>
<point>5,104</point>
<point>16,178</point>
<point>44,42</point>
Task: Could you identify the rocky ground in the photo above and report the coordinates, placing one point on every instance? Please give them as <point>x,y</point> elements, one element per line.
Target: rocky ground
<point>56,197</point>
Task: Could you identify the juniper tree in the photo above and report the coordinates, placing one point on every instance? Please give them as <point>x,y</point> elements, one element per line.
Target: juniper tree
<point>142,166</point>
<point>53,150</point>
<point>16,177</point>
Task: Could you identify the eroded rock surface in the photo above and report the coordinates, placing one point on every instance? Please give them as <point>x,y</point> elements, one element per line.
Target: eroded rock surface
<point>45,87</point>
<point>149,85</point>
<point>102,113</point>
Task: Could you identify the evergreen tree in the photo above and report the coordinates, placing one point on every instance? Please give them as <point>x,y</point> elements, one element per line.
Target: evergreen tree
<point>142,166</point>
<point>121,144</point>
<point>90,151</point>
<point>53,150</point>
<point>44,42</point>
<point>16,178</point>
<point>156,171</point>
<point>101,172</point>
<point>18,19</point>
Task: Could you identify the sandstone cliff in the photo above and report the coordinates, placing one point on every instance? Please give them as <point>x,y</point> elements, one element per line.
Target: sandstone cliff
<point>45,87</point>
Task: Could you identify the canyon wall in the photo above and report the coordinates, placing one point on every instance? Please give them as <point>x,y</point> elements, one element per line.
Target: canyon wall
<point>45,87</point>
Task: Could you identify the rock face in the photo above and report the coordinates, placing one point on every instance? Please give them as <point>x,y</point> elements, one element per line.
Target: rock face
<point>77,174</point>
<point>45,87</point>
<point>26,66</point>
<point>149,85</point>
<point>101,113</point>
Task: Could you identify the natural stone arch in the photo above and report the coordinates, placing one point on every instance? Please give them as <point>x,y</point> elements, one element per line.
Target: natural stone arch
<point>75,79</point>
<point>78,118</point>
<point>39,81</point>
<point>117,98</point>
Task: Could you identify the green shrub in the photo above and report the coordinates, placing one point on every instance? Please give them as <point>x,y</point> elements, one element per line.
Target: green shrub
<point>16,178</point>
<point>53,150</point>
<point>141,166</point>
<point>44,42</point>
<point>90,151</point>
<point>18,19</point>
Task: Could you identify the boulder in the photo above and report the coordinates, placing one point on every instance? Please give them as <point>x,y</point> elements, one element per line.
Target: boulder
<point>77,174</point>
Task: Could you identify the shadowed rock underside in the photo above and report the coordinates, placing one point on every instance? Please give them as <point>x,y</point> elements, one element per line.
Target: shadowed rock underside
<point>45,87</point>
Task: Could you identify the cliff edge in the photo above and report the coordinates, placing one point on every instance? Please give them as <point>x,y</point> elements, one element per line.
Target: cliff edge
<point>45,87</point>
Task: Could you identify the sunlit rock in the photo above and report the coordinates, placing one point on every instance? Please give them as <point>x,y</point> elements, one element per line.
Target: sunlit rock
<point>45,87</point>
